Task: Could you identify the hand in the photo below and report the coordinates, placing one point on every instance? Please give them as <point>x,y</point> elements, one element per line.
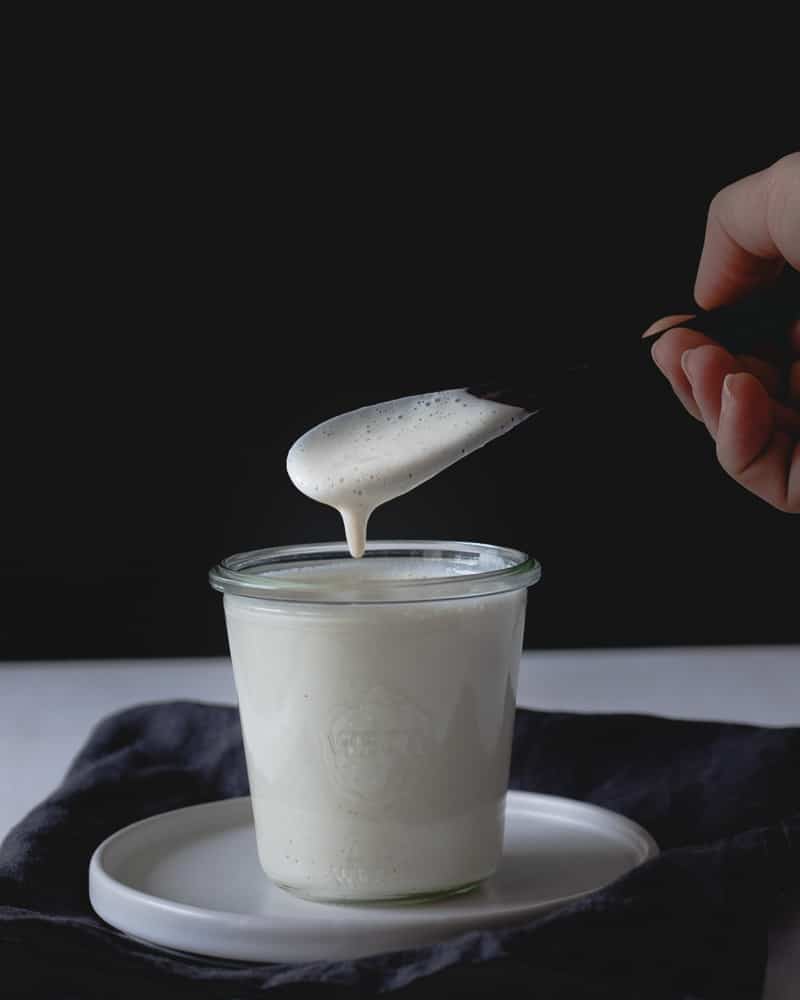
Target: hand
<point>750,404</point>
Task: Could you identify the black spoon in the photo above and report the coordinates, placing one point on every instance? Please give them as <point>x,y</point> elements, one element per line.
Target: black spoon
<point>760,319</point>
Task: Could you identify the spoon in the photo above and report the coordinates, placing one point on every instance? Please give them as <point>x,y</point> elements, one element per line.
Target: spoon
<point>760,319</point>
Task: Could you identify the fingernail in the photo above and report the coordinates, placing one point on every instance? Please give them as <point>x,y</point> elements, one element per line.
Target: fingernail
<point>685,363</point>
<point>728,395</point>
<point>655,354</point>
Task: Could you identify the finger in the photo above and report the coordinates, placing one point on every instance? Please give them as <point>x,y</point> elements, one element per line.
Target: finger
<point>769,375</point>
<point>760,457</point>
<point>753,226</point>
<point>706,368</point>
<point>669,350</point>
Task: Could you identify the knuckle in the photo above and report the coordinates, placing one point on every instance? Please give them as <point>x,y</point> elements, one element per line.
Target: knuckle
<point>725,463</point>
<point>783,203</point>
<point>717,204</point>
<point>786,169</point>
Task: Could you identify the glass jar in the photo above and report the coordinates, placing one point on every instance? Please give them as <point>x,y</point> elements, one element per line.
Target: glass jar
<point>377,701</point>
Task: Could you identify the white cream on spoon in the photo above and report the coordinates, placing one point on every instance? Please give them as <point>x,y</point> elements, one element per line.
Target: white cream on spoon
<point>357,461</point>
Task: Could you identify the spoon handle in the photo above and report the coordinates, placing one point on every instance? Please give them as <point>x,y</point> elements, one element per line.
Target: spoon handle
<point>761,319</point>
<point>530,398</point>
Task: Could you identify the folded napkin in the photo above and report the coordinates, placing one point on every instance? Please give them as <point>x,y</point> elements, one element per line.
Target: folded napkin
<point>723,802</point>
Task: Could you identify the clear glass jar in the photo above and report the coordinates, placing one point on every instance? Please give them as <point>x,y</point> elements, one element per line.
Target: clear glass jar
<point>377,701</point>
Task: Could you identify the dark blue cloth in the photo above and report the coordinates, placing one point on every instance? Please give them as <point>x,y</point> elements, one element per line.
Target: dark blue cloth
<point>723,801</point>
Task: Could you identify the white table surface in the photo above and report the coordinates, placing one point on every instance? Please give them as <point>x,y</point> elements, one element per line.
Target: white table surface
<point>47,710</point>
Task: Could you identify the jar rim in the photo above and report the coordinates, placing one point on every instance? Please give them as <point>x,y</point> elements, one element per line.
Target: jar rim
<point>481,569</point>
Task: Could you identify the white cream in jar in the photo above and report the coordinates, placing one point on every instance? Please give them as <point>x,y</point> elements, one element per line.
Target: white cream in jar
<point>378,734</point>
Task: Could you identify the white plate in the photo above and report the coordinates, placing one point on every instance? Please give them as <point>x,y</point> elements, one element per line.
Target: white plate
<point>190,880</point>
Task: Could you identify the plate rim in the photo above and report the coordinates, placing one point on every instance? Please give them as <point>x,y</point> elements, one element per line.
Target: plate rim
<point>104,886</point>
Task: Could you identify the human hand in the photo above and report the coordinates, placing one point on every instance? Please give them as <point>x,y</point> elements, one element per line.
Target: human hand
<point>749,403</point>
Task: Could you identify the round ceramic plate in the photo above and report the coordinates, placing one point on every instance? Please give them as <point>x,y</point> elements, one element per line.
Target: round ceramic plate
<point>190,880</point>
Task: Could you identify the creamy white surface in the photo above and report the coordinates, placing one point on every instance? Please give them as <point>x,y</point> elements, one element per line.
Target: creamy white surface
<point>377,738</point>
<point>357,461</point>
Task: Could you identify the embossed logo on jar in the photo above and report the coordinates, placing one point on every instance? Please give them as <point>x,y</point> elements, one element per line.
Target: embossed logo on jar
<point>376,748</point>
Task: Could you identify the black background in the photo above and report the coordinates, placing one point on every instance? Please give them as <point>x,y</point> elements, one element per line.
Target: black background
<point>208,269</point>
